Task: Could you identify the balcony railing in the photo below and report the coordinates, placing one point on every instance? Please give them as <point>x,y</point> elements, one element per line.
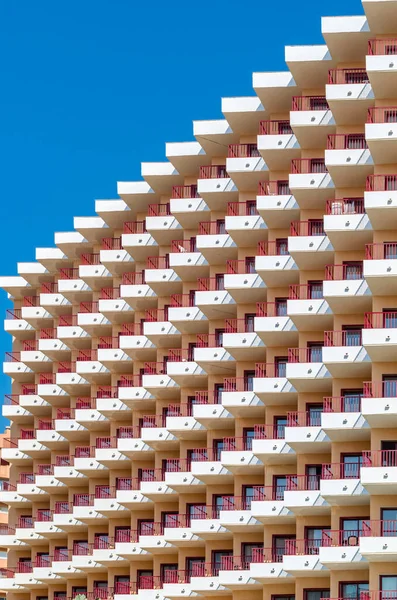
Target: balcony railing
<point>305,355</point>
<point>381,183</point>
<point>302,483</point>
<point>239,267</point>
<point>48,333</point>
<point>274,188</point>
<point>381,251</point>
<point>90,259</point>
<point>25,522</point>
<point>31,301</point>
<point>183,300</point>
<point>49,288</point>
<point>382,47</point>
<point>67,320</point>
<point>340,471</point>
<point>131,329</point>
<point>239,326</point>
<point>13,313</point>
<point>306,291</point>
<point>184,191</point>
<point>379,528</point>
<point>83,499</point>
<point>86,355</point>
<point>341,537</point>
<point>242,209</point>
<point>342,338</point>
<point>380,320</point>
<point>300,103</point>
<point>159,210</point>
<point>210,284</point>
<point>243,150</point>
<point>108,342</point>
<point>271,309</point>
<point>349,141</point>
<point>181,246</point>
<point>89,307</point>
<point>302,547</point>
<point>343,272</point>
<point>208,397</point>
<point>274,248</point>
<point>345,206</point>
<point>304,418</point>
<point>347,76</point>
<point>154,315</point>
<point>379,458</point>
<point>308,165</point>
<point>281,127</point>
<point>133,278</point>
<point>277,369</point>
<point>342,404</point>
<point>382,114</point>
<point>134,227</point>
<point>212,228</point>
<point>158,262</point>
<point>111,243</point>
<point>268,493</point>
<point>307,228</point>
<point>213,172</point>
<point>111,293</point>
<point>269,432</point>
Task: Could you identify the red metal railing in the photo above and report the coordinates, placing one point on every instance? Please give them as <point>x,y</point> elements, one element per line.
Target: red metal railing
<point>309,103</point>
<point>381,250</point>
<point>387,47</point>
<point>89,307</point>
<point>274,188</point>
<point>83,499</point>
<point>271,309</point>
<point>13,313</point>
<point>29,389</point>
<point>269,432</point>
<point>213,172</point>
<point>108,342</point>
<point>127,483</point>
<point>111,243</point>
<point>209,284</point>
<point>11,399</point>
<point>379,528</point>
<point>90,259</point>
<point>63,460</point>
<point>268,492</point>
<point>279,127</point>
<point>346,141</point>
<point>158,262</point>
<point>25,522</point>
<point>343,272</point>
<point>69,273</point>
<point>30,345</point>
<point>44,514</point>
<point>345,206</point>
<point>239,267</point>
<point>342,404</point>
<point>305,291</point>
<point>87,355</point>
<point>26,478</point>
<point>67,320</point>
<point>232,444</point>
<point>184,191</point>
<point>270,369</point>
<point>134,227</point>
<point>382,114</point>
<point>45,424</point>
<point>302,482</point>
<point>181,246</point>
<point>31,301</point>
<point>208,340</point>
<point>154,315</point>
<point>12,357</point>
<point>340,537</point>
<point>242,209</point>
<point>208,397</point>
<point>380,320</point>
<point>274,248</point>
<point>381,183</point>
<point>84,402</point>
<point>127,381</point>
<point>212,228</point>
<point>45,469</point>
<point>312,227</point>
<point>243,150</point>
<point>342,338</point>
<point>49,333</point>
<point>304,355</point>
<point>109,293</point>
<point>302,547</point>
<point>340,471</point>
<point>49,288</point>
<point>379,458</point>
<point>159,210</point>
<point>347,76</point>
<point>239,326</point>
<point>304,418</point>
<point>133,278</point>
<point>308,165</point>
<point>182,300</point>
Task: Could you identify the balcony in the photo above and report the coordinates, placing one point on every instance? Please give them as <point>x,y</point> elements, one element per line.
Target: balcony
<point>111,356</point>
<point>114,256</point>
<point>274,264</point>
<point>239,398</point>
<point>235,574</point>
<point>306,370</point>
<point>32,312</point>
<point>210,354</point>
<point>17,369</point>
<point>271,385</point>
<point>183,369</point>
<point>308,245</point>
<point>52,301</point>
<point>185,315</point>
<point>162,225</point>
<point>69,332</point>
<point>182,423</point>
<point>212,298</point>
<point>90,368</point>
<point>163,280</point>
<point>216,187</point>
<point>270,447</point>
<point>344,217</point>
<point>129,495</point>
<point>242,277</point>
<point>236,516</point>
<point>380,267</point>
<point>344,354</point>
<point>307,308</point>
<point>187,261</point>
<point>135,344</point>
<point>378,541</point>
<point>16,326</point>
<point>381,133</point>
<point>152,485</point>
<point>310,182</point>
<point>380,335</point>
<point>311,121</point>
<point>92,272</point>
<point>379,403</point>
<point>161,176</point>
<point>304,433</point>
<point>206,465</point>
<point>157,382</point>
<point>242,341</point>
<point>72,287</point>
<point>136,292</point>
<point>381,62</point>
<point>244,224</point>
<point>131,392</point>
<point>342,420</point>
<point>344,282</point>
<point>302,495</point>
<point>215,244</point>
<point>340,485</point>
<point>301,559</point>
<point>275,90</point>
<point>243,113</point>
<point>214,135</point>
<point>159,330</point>
<point>179,477</point>
<point>349,95</point>
<point>91,320</point>
<point>185,156</point>
<point>379,472</point>
<point>187,206</point>
<point>268,507</point>
<point>115,308</point>
<point>273,324</point>
<point>380,199</point>
<point>340,549</point>
<point>277,144</point>
<point>276,204</point>
<point>136,194</point>
<point>348,159</point>
<point>209,412</point>
<point>237,457</point>
<point>246,166</point>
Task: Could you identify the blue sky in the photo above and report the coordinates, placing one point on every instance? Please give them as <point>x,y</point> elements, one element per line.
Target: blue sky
<point>93,87</point>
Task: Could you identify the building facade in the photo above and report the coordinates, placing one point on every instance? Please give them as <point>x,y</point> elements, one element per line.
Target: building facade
<point>204,376</point>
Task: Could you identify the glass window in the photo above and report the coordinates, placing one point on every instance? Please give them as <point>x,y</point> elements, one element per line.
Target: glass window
<point>315,594</point>
<point>353,591</point>
<point>351,464</point>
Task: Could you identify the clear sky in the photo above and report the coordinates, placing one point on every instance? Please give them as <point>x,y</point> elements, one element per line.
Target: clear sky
<point>90,88</point>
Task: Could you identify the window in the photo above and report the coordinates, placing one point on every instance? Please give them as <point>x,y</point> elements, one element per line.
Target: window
<point>280,366</point>
<point>314,412</point>
<point>249,380</point>
<point>249,320</point>
<point>196,511</point>
<point>314,538</point>
<point>283,188</point>
<point>121,584</point>
<point>278,546</point>
<point>389,318</point>
<point>218,502</point>
<point>248,551</point>
<point>248,436</point>
<point>351,400</point>
<point>170,519</point>
<point>353,590</point>
<point>282,247</point>
<point>388,586</point>
<point>250,264</point>
<point>351,335</point>
<point>315,594</point>
<point>351,464</point>
<point>251,206</point>
<point>220,226</point>
<point>318,103</point>
<point>169,573</point>
<point>313,476</point>
<point>219,337</point>
<point>390,183</point>
<point>389,453</point>
<point>217,558</point>
<point>315,227</point>
<point>220,281</point>
<point>279,486</point>
<point>193,566</point>
<point>100,589</point>
<point>389,522</point>
<point>218,446</point>
<point>352,529</point>
<point>145,527</point>
<point>247,495</point>
<point>218,389</point>
<point>279,427</point>
<point>389,387</point>
<point>281,307</point>
<point>353,270</point>
<point>314,352</point>
<point>314,290</point>
<point>317,165</point>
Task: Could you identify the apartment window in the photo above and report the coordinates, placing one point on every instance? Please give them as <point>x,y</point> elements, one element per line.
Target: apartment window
<point>247,494</point>
<point>389,318</point>
<point>220,281</point>
<point>249,377</point>
<point>351,465</point>
<point>280,366</point>
<point>122,534</point>
<point>280,597</point>
<point>218,389</point>
<point>314,290</point>
<point>248,550</point>
<point>352,528</point>
<point>170,519</point>
<point>194,565</point>
<point>279,486</point>
<point>353,590</point>
<point>313,476</point>
<point>217,559</point>
<point>390,250</point>
<point>353,269</point>
<point>389,522</point>
<point>145,527</point>
<point>219,501</point>
<point>351,335</point>
<point>318,103</point>
<point>315,227</point>
<point>314,538</point>
<point>314,352</point>
<point>100,589</point>
<point>144,579</point>
<point>121,584</point>
<point>168,573</point>
<point>351,400</point>
<point>218,446</point>
<point>248,436</point>
<point>389,453</point>
<point>251,207</point>
<point>219,337</point>
<point>220,226</point>
<point>249,321</point>
<point>196,511</point>
<point>77,590</point>
<point>388,586</point>
<point>317,165</point>
<point>279,424</point>
<point>278,546</point>
<point>316,594</point>
<point>389,386</point>
<point>314,412</point>
<point>281,307</point>
<point>282,247</point>
<point>283,188</point>
<point>250,264</point>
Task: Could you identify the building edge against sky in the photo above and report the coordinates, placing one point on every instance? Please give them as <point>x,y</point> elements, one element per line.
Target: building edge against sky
<point>204,379</point>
